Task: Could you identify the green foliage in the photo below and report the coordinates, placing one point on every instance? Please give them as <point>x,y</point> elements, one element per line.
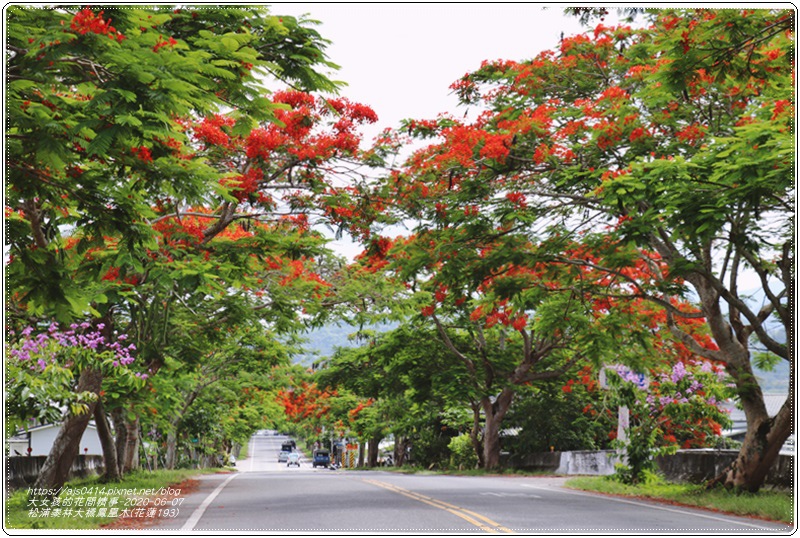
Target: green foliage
<point>541,412</point>
<point>93,122</point>
<point>462,453</point>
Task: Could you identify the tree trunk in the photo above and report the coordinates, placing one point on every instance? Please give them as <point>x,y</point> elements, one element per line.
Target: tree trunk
<point>474,434</point>
<point>764,437</point>
<point>111,473</point>
<point>400,451</point>
<point>66,445</point>
<point>373,451</point>
<point>360,454</point>
<point>491,442</point>
<point>131,461</point>
<point>118,415</point>
<point>172,449</point>
<point>494,414</point>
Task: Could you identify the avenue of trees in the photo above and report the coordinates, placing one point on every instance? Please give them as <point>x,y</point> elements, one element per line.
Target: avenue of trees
<point>623,203</point>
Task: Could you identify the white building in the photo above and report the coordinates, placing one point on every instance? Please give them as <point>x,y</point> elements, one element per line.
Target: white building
<point>40,440</point>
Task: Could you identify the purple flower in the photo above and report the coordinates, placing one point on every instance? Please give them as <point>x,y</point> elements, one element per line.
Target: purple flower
<point>678,372</point>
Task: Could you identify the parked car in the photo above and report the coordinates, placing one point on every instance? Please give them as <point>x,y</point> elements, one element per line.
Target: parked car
<point>322,458</point>
<point>294,459</point>
<point>283,456</point>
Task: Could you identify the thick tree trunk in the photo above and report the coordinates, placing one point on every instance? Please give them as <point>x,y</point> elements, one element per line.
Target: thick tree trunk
<point>494,413</point>
<point>491,442</point>
<point>118,415</point>
<point>400,451</point>
<point>764,437</point>
<point>360,454</point>
<point>474,434</point>
<point>131,461</point>
<point>111,473</point>
<point>373,451</point>
<point>66,445</point>
<point>172,449</point>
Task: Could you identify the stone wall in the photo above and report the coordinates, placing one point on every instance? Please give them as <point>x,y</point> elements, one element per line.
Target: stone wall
<point>695,466</point>
<point>21,471</point>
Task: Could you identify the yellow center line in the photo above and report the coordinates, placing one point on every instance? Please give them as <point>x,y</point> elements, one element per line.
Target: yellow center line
<point>463,513</point>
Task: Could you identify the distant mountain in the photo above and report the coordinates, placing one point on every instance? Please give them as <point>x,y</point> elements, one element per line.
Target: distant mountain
<point>775,381</point>
<point>324,341</point>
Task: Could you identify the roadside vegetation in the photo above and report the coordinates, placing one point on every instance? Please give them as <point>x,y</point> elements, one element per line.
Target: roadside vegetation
<point>775,505</point>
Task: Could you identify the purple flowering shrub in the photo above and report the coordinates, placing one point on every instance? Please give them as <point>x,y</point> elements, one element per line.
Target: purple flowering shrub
<point>679,408</point>
<point>43,365</point>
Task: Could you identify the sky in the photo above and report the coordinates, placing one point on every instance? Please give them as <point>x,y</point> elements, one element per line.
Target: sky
<point>400,59</point>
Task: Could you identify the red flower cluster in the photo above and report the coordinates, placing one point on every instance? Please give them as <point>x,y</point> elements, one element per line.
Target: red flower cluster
<point>164,43</point>
<point>85,21</point>
<point>142,153</point>
<point>244,185</point>
<point>298,135</point>
<point>210,130</point>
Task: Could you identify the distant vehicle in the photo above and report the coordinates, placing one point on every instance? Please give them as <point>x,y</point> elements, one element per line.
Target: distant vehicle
<point>283,456</point>
<point>322,458</point>
<point>288,446</point>
<point>294,459</point>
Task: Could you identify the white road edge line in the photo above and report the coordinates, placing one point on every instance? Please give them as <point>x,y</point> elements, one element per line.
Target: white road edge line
<point>683,512</point>
<point>200,510</point>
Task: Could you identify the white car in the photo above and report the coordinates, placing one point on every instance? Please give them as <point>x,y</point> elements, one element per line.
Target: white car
<point>283,456</point>
<point>294,459</point>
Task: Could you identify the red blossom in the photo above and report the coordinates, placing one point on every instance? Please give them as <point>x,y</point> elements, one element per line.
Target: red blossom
<point>142,153</point>
<point>86,21</point>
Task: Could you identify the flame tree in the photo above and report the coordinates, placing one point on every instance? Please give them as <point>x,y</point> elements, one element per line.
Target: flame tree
<point>668,145</point>
<point>152,176</point>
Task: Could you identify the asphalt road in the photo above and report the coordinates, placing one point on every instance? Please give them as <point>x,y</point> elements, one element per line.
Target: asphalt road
<point>268,497</point>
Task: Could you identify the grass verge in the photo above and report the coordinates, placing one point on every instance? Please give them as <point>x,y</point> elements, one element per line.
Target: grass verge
<point>88,503</point>
<point>767,504</point>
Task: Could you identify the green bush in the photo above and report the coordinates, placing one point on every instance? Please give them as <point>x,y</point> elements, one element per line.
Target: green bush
<point>462,453</point>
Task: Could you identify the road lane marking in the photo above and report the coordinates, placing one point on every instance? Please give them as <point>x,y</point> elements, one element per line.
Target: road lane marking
<point>654,507</point>
<point>200,510</point>
<point>506,494</point>
<point>488,525</point>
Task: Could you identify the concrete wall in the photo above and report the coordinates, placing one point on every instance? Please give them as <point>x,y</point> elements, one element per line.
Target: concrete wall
<point>695,466</point>
<point>582,462</point>
<point>23,470</point>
